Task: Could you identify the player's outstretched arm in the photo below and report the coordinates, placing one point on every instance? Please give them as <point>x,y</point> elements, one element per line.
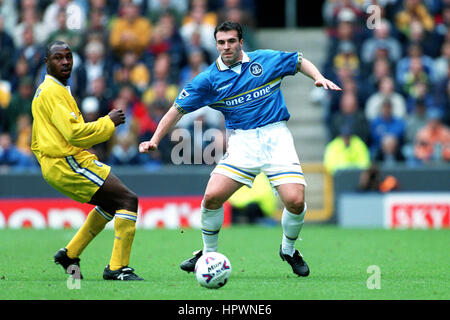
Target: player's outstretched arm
<point>165,125</point>
<point>309,69</point>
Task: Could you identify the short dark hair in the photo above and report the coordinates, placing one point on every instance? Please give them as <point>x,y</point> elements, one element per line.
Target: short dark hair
<point>48,49</point>
<point>229,26</point>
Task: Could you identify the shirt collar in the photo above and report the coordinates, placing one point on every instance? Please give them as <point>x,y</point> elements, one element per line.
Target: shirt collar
<point>58,82</point>
<point>223,67</point>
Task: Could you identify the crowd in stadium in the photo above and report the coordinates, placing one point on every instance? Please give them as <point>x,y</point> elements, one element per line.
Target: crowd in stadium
<point>392,61</point>
<point>128,54</point>
<point>137,55</point>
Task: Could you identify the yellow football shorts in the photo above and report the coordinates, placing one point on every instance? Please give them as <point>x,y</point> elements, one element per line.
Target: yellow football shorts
<point>78,176</point>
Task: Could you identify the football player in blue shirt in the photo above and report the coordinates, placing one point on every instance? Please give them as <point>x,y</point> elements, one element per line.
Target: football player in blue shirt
<point>245,87</point>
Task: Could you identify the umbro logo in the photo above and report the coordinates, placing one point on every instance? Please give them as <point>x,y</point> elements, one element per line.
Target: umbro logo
<point>224,87</point>
<point>183,94</point>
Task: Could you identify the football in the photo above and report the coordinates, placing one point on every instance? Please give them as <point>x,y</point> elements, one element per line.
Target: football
<point>213,270</point>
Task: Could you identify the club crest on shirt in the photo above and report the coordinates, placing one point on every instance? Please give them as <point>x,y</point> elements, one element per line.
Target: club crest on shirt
<point>256,69</point>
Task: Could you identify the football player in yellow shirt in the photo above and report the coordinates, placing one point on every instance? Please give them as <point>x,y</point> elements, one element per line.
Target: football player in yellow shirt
<point>60,138</point>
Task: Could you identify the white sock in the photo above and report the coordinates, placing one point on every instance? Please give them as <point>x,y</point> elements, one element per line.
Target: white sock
<point>292,225</point>
<point>212,221</point>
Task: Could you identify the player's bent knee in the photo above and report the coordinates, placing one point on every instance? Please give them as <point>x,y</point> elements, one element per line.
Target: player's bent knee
<point>296,206</point>
<point>212,202</point>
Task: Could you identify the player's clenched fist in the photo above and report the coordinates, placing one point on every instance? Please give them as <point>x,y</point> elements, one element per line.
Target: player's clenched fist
<point>146,146</point>
<point>117,116</point>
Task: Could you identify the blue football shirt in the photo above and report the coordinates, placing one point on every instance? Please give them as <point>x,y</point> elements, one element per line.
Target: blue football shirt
<point>248,93</point>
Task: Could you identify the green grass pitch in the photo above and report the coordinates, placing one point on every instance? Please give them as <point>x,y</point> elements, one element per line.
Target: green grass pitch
<point>413,264</point>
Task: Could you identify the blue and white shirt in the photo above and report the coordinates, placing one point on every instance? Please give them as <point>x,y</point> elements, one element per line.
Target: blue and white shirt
<point>247,93</point>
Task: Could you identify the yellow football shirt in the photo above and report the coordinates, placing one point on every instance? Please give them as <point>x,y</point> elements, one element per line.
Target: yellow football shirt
<point>59,129</point>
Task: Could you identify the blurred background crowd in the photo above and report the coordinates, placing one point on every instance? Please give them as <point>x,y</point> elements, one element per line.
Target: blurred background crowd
<point>137,55</point>
<point>392,61</point>
<point>128,54</point>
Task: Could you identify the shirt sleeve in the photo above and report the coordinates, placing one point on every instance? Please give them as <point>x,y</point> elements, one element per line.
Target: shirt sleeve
<point>287,63</point>
<point>195,95</point>
<point>77,132</point>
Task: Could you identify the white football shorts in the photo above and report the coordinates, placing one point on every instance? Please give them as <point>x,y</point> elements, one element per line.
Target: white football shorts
<point>269,149</point>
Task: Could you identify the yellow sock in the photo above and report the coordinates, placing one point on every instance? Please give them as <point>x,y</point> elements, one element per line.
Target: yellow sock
<point>124,229</point>
<point>95,222</point>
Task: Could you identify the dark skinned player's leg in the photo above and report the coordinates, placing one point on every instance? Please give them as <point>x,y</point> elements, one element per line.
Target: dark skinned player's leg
<point>117,199</point>
<point>113,195</point>
<point>113,198</point>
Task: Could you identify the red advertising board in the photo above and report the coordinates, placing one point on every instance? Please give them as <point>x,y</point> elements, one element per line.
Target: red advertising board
<point>421,211</point>
<point>154,212</point>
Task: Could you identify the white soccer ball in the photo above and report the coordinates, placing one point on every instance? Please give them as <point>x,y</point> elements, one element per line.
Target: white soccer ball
<point>212,270</point>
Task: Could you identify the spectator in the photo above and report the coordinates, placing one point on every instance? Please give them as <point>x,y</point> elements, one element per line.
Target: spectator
<point>125,151</point>
<point>76,16</point>
<point>415,121</point>
<point>204,29</point>
<point>71,36</point>
<point>422,64</point>
<point>381,40</point>
<point>108,7</point>
<point>156,110</point>
<point>246,18</point>
<point>442,97</point>
<point>181,6</point>
<point>90,108</point>
<point>11,158</point>
<point>97,27</point>
<point>8,11</point>
<point>4,121</point>
<point>7,51</point>
<point>413,12</point>
<point>196,65</point>
<point>345,33</point>
<point>385,123</point>
<point>420,91</point>
<point>134,109</point>
<point>162,70</point>
<point>160,89</point>
<point>238,15</point>
<point>96,64</point>
<point>347,10</point>
<point>171,34</point>
<point>207,17</point>
<point>23,135</point>
<point>348,82</point>
<point>132,32</point>
<point>32,52</point>
<point>381,68</point>
<point>389,153</point>
<point>429,41</point>
<point>166,39</point>
<point>350,116</point>
<point>433,141</point>
<point>20,104</point>
<point>415,74</point>
<point>161,7</point>
<point>441,64</point>
<point>347,57</point>
<point>385,91</point>
<point>103,93</point>
<point>443,26</point>
<point>346,151</point>
<point>30,18</point>
<point>138,73</point>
